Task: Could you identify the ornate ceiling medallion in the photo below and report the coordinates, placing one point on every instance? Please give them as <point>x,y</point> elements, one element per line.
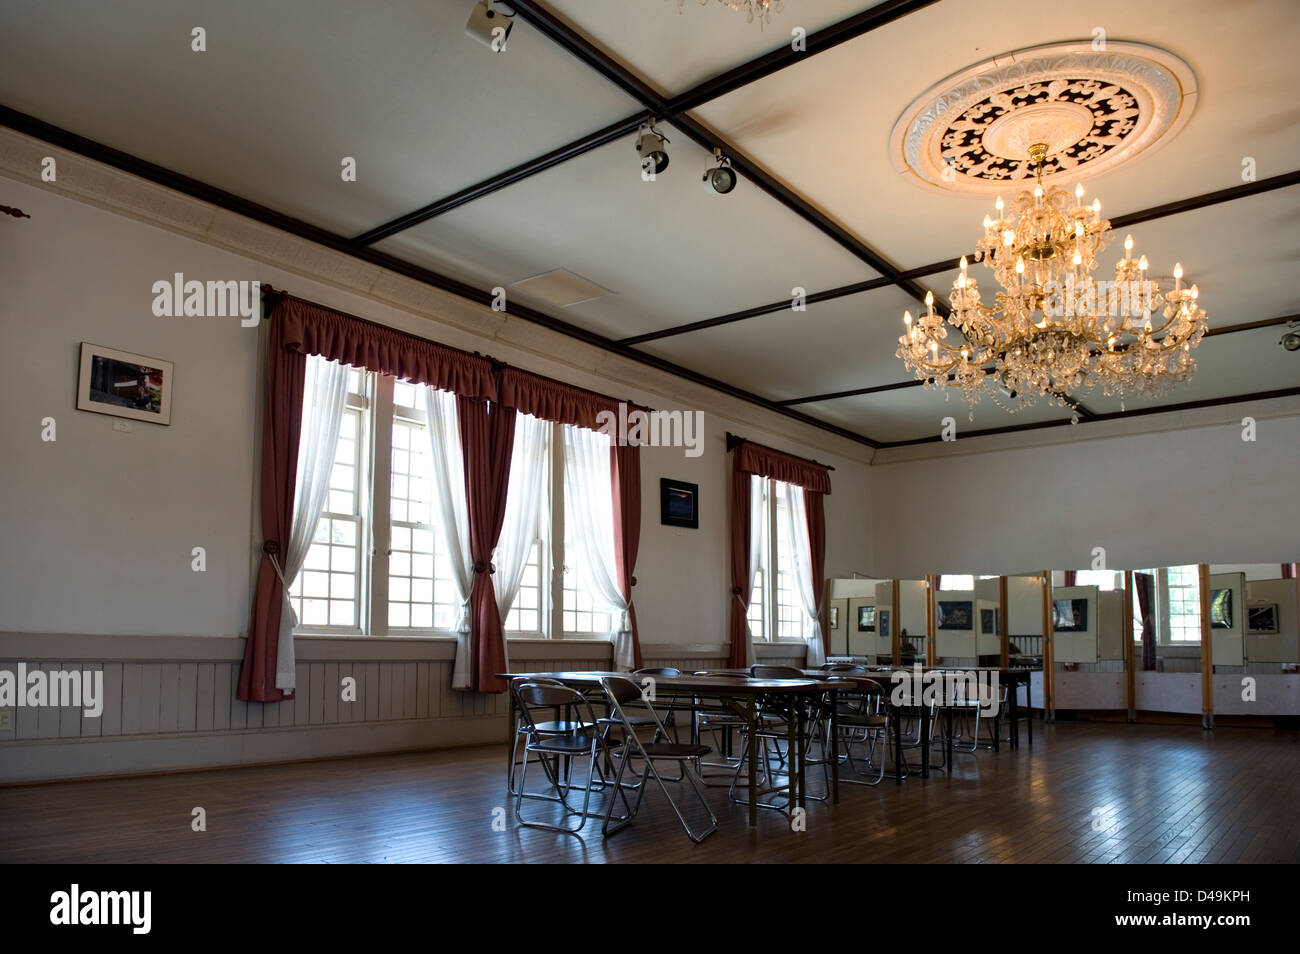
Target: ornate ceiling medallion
<point>1094,109</point>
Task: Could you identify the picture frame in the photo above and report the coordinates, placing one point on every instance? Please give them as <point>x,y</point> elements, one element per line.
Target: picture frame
<point>1261,619</point>
<point>679,503</point>
<point>867,619</point>
<point>833,617</point>
<point>882,623</point>
<point>990,622</point>
<point>124,384</point>
<point>954,614</point>
<point>1070,616</point>
<point>1221,608</point>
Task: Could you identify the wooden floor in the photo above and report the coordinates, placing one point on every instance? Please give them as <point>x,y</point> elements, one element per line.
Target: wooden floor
<point>1085,793</point>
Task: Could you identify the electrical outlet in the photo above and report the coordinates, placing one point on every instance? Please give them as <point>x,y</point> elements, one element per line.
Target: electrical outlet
<point>121,424</point>
<point>6,720</point>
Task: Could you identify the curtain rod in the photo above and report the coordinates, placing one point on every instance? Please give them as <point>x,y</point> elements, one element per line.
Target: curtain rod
<point>735,440</point>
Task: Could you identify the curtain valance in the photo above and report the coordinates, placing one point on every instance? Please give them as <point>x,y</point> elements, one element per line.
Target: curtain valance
<point>555,401</point>
<point>754,458</point>
<point>337,336</point>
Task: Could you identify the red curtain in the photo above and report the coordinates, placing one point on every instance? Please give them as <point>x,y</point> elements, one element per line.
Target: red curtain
<point>625,480</point>
<point>1145,585</point>
<point>740,544</point>
<point>286,372</point>
<point>815,506</point>
<point>554,401</point>
<point>336,336</point>
<point>766,462</point>
<point>1288,571</point>
<point>1070,576</point>
<point>487,437</point>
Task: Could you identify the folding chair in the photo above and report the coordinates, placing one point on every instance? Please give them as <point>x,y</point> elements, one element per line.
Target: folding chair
<point>557,726</point>
<point>622,694</point>
<point>558,750</point>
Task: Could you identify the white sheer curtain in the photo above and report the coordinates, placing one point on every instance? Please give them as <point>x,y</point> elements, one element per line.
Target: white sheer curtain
<point>447,479</point>
<point>796,516</point>
<point>523,507</point>
<point>757,549</point>
<point>589,510</point>
<point>325,395</point>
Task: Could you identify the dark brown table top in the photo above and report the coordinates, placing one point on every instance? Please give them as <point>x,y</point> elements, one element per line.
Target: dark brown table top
<point>739,684</point>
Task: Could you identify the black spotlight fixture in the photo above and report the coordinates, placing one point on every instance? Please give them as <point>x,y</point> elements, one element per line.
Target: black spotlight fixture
<point>1291,341</point>
<point>720,179</point>
<point>650,147</point>
<point>490,27</point>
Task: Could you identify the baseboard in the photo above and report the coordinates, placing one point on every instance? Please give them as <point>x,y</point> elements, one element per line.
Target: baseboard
<point>61,759</point>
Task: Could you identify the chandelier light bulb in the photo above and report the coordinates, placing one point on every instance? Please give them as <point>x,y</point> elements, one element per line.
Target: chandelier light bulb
<point>1128,247</point>
<point>1008,238</point>
<point>1020,266</point>
<point>988,223</point>
<point>1143,263</point>
<point>1196,293</point>
<point>1078,257</point>
<point>1096,206</point>
<point>1078,193</point>
<point>998,205</point>
<point>907,318</point>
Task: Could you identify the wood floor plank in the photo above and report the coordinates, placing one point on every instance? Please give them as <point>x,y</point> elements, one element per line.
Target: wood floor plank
<point>1167,794</point>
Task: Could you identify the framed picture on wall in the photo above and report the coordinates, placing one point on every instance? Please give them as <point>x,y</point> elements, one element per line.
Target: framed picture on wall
<point>679,503</point>
<point>833,617</point>
<point>1070,616</point>
<point>989,622</point>
<point>124,384</point>
<point>882,622</point>
<point>866,619</point>
<point>1262,619</point>
<point>1221,609</point>
<point>954,614</point>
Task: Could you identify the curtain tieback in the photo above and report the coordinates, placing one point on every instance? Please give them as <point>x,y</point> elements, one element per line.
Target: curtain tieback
<point>481,567</point>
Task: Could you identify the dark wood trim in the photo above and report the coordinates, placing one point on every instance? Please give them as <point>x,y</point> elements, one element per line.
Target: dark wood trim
<point>501,180</point>
<point>1004,628</point>
<point>1252,325</point>
<point>1130,678</point>
<point>1207,648</point>
<point>29,125</point>
<point>1112,415</point>
<point>951,264</point>
<point>559,30</point>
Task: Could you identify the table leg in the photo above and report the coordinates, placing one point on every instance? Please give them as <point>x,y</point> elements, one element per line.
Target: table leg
<point>801,742</point>
<point>1029,711</point>
<point>1015,713</point>
<point>947,744</point>
<point>925,741</point>
<point>898,747</point>
<point>752,720</point>
<point>835,747</point>
<point>511,730</point>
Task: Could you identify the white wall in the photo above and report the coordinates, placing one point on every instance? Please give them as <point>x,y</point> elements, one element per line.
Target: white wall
<point>98,526</point>
<point>1151,499</point>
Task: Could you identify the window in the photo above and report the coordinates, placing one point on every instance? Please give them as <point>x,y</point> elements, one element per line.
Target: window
<point>1102,579</point>
<point>1183,603</point>
<point>775,612</point>
<point>957,581</point>
<point>379,564</point>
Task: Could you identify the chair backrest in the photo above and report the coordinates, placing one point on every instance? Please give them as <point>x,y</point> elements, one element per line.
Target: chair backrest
<point>720,674</point>
<point>775,672</point>
<point>548,694</point>
<point>843,668</point>
<point>662,671</point>
<point>621,691</point>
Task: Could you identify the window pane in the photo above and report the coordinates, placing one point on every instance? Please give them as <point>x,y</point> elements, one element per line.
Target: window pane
<point>792,622</point>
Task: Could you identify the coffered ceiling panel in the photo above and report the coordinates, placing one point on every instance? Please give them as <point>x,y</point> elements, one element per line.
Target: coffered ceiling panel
<point>668,251</point>
<point>674,52</point>
<point>836,345</point>
<point>286,90</point>
<point>916,414</point>
<point>824,124</point>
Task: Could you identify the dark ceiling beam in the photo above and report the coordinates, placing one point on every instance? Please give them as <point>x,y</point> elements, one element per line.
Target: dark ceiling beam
<point>819,42</point>
<point>556,30</point>
<point>501,180</point>
<point>1112,415</point>
<point>98,152</point>
<point>1245,190</point>
<point>916,382</point>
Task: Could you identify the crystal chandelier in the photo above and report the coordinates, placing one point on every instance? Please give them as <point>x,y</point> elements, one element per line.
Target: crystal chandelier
<point>762,9</point>
<point>1053,329</point>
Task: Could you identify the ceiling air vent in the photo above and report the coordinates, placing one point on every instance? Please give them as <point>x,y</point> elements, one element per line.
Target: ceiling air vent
<point>560,287</point>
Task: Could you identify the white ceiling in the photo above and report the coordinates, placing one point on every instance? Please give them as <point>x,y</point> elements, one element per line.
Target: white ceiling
<point>285,90</point>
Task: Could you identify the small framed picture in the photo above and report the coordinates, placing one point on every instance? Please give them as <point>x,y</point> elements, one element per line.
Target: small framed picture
<point>834,617</point>
<point>1261,619</point>
<point>882,619</point>
<point>866,619</point>
<point>124,384</point>
<point>679,503</point>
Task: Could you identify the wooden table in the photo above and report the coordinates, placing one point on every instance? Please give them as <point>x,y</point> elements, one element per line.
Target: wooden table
<point>741,694</point>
